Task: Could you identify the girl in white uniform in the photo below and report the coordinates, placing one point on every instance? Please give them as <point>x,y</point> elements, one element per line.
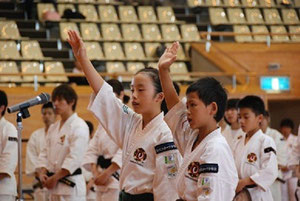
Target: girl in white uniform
<point>208,171</point>
<point>255,153</point>
<point>150,158</point>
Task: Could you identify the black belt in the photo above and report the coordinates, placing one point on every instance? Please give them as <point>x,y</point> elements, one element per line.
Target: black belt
<point>63,180</point>
<point>251,186</point>
<point>123,196</point>
<point>105,163</point>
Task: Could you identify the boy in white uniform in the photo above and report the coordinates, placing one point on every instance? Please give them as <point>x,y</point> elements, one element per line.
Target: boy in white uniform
<point>150,158</point>
<point>208,171</point>
<point>8,154</point>
<point>281,153</point>
<point>289,188</point>
<point>255,153</point>
<point>34,147</point>
<point>66,143</point>
<point>234,131</point>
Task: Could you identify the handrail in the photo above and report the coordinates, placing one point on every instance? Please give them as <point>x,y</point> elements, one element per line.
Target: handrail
<point>219,33</point>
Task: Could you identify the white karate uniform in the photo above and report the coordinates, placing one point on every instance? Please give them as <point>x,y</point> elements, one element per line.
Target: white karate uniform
<point>65,148</point>
<point>150,158</point>
<point>208,172</point>
<point>8,159</point>
<point>34,147</point>
<point>257,160</point>
<point>289,188</point>
<point>232,136</point>
<point>102,144</point>
<point>90,195</point>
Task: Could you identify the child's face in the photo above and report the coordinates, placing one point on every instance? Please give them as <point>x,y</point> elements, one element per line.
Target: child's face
<point>48,115</point>
<point>198,113</point>
<point>143,94</point>
<point>249,121</point>
<point>62,106</point>
<point>231,115</point>
<point>285,130</point>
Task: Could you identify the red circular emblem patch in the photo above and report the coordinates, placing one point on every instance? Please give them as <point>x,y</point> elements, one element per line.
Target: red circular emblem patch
<point>194,169</point>
<point>251,157</point>
<point>140,155</point>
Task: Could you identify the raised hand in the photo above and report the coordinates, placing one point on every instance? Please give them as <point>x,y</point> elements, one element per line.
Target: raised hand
<point>77,45</point>
<point>169,56</point>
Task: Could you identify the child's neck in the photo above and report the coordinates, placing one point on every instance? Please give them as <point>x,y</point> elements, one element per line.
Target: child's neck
<point>250,134</point>
<point>235,126</point>
<point>203,132</point>
<point>147,117</point>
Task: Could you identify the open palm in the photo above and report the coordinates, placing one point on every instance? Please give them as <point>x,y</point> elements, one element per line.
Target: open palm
<point>169,56</point>
<point>77,45</point>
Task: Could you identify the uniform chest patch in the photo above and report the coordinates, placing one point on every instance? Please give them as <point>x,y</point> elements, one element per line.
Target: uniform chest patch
<point>194,169</point>
<point>251,157</point>
<point>140,155</point>
<point>62,139</point>
<point>239,137</point>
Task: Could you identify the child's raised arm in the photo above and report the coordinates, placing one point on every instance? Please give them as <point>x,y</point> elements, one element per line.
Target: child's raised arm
<point>94,79</point>
<point>164,63</point>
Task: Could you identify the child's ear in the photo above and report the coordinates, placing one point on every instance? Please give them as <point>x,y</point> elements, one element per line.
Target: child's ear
<point>160,97</point>
<point>213,109</point>
<point>260,118</point>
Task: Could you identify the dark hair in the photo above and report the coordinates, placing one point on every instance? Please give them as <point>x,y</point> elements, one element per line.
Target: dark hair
<point>154,75</point>
<point>163,106</point>
<point>3,101</point>
<point>116,85</point>
<point>48,105</point>
<point>232,103</point>
<point>90,125</point>
<point>255,103</point>
<point>287,123</point>
<point>66,92</point>
<point>266,114</point>
<point>210,90</point>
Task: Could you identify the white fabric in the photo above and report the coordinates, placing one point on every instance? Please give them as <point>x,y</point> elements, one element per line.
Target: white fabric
<point>7,198</point>
<point>232,136</point>
<point>65,148</point>
<point>102,144</point>
<point>212,149</point>
<point>143,170</point>
<point>41,194</point>
<point>252,160</point>
<point>8,157</point>
<point>90,195</point>
<point>109,195</point>
<point>67,198</point>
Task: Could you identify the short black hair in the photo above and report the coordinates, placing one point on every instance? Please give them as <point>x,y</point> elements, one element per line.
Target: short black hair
<point>210,90</point>
<point>66,92</point>
<point>163,106</point>
<point>266,114</point>
<point>3,101</point>
<point>48,105</point>
<point>90,125</point>
<point>255,103</point>
<point>232,103</point>
<point>116,85</point>
<point>287,123</point>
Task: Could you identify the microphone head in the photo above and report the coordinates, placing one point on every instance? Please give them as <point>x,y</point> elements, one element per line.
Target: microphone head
<point>45,98</point>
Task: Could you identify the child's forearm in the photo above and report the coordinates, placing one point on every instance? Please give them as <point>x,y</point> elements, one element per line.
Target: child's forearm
<point>171,96</point>
<point>93,77</point>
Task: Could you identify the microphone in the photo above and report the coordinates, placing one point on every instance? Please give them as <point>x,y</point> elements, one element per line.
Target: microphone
<point>40,99</point>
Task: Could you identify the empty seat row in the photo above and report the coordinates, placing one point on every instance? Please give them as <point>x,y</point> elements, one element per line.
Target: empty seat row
<point>263,29</point>
<point>253,16</point>
<point>88,1</point>
<point>247,3</point>
<point>9,30</point>
<point>131,32</point>
<point>107,13</point>
<point>29,49</point>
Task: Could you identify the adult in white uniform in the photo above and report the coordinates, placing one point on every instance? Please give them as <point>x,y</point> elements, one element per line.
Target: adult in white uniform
<point>281,147</point>
<point>8,154</point>
<point>208,171</point>
<point>233,132</point>
<point>102,146</point>
<point>66,143</point>
<point>150,158</point>
<point>34,147</point>
<point>289,188</point>
<point>255,153</point>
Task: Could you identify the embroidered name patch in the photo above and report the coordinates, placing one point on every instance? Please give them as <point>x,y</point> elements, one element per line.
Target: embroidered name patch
<point>251,157</point>
<point>269,149</point>
<point>165,147</point>
<point>13,139</point>
<point>209,168</point>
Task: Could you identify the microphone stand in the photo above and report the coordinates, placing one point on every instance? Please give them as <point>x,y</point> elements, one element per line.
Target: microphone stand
<point>24,113</point>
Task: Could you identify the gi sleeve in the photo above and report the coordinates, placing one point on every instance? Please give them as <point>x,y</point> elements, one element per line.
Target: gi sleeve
<point>117,158</point>
<point>268,172</point>
<point>177,121</point>
<point>294,158</point>
<point>217,174</point>
<point>167,161</point>
<point>92,153</point>
<point>78,143</point>
<point>32,155</point>
<point>9,155</point>
<point>111,113</point>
